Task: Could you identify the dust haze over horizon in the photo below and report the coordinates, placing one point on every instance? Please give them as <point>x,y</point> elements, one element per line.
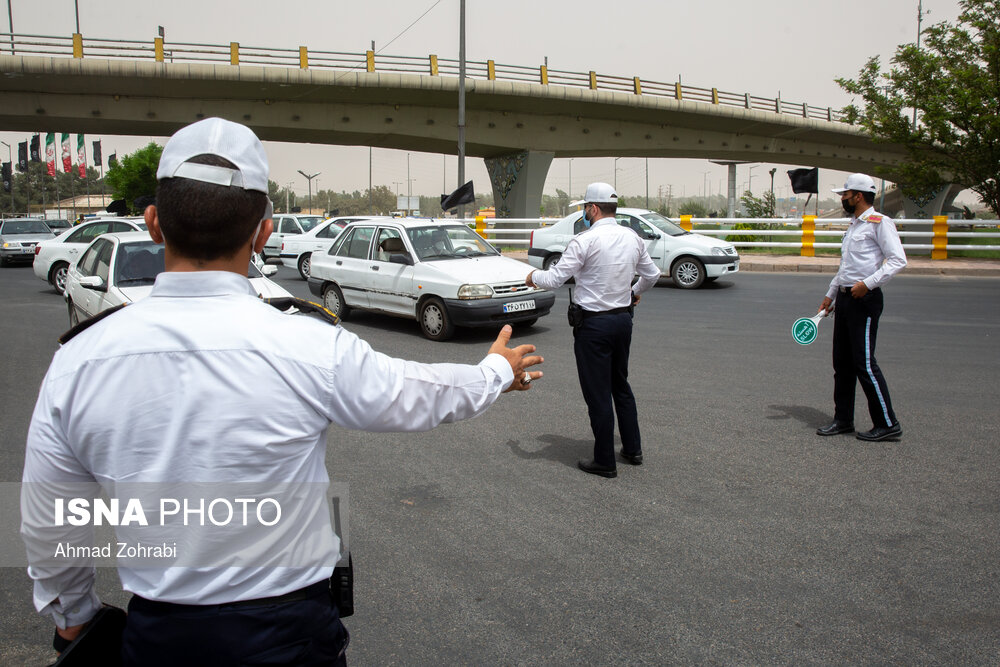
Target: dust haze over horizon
<point>790,47</point>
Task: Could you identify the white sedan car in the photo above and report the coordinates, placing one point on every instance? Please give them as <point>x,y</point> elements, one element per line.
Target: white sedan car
<point>296,249</point>
<point>440,273</point>
<point>689,259</point>
<point>54,257</point>
<point>121,268</point>
<point>287,224</point>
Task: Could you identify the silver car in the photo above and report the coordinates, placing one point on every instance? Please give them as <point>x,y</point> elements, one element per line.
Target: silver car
<point>18,238</point>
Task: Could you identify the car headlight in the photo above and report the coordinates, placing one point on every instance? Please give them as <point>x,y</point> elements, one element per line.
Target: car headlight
<point>475,292</point>
<point>718,251</point>
<point>11,244</point>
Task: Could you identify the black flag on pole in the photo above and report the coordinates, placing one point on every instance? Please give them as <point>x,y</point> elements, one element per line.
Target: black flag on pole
<point>22,156</point>
<point>6,171</point>
<point>97,154</point>
<point>112,160</point>
<point>36,151</point>
<point>804,180</point>
<point>464,195</point>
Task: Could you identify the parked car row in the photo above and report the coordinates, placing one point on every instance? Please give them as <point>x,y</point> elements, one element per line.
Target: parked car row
<point>437,272</point>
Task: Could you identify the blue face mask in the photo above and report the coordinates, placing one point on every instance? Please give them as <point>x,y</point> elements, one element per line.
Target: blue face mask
<point>587,222</point>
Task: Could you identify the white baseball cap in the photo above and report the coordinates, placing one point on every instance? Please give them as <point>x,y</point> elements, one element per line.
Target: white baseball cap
<point>216,136</point>
<point>600,193</point>
<point>858,183</point>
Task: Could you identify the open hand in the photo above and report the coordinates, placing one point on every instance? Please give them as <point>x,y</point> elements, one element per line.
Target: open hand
<point>518,359</point>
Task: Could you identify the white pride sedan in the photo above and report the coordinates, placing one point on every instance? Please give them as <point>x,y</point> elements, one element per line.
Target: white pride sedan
<point>121,268</point>
<point>687,258</point>
<point>440,273</point>
<point>54,257</point>
<point>297,249</point>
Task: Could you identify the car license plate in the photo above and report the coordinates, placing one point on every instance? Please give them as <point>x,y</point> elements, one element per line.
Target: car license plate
<point>518,306</point>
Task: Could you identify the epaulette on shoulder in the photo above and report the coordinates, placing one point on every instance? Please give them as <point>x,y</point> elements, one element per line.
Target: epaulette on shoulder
<point>874,218</point>
<point>286,302</point>
<point>87,323</point>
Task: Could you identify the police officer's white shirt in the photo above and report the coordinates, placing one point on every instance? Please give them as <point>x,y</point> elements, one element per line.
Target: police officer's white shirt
<point>603,259</point>
<point>870,251</point>
<point>202,381</point>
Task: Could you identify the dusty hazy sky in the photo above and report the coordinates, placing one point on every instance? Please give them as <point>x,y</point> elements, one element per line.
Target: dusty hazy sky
<point>797,47</point>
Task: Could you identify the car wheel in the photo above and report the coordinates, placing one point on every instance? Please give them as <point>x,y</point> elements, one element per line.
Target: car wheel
<point>74,319</point>
<point>57,276</point>
<point>304,262</point>
<point>434,320</point>
<point>333,300</point>
<point>551,261</point>
<point>688,273</point>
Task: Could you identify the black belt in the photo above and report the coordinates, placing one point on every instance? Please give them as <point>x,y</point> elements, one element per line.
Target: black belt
<point>313,590</point>
<point>613,311</point>
<point>847,290</point>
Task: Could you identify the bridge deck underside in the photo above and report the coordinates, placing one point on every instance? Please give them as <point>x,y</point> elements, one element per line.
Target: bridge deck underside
<point>412,112</point>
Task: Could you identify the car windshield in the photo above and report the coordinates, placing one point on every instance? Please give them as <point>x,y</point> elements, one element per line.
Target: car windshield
<point>57,224</point>
<point>448,242</point>
<point>138,263</point>
<point>663,224</point>
<point>310,221</point>
<point>10,227</point>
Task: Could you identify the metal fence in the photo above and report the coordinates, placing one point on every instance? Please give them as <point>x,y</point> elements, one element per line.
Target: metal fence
<point>157,50</point>
<point>801,233</point>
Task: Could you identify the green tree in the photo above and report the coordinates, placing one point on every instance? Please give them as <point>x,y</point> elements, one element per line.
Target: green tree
<point>693,208</point>
<point>135,175</point>
<point>954,84</point>
<point>758,207</point>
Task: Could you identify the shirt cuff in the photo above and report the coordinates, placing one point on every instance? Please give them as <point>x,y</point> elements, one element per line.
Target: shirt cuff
<point>501,367</point>
<point>81,610</point>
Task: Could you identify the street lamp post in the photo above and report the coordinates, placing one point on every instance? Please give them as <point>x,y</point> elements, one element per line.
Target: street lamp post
<point>616,173</point>
<point>750,177</point>
<point>310,180</point>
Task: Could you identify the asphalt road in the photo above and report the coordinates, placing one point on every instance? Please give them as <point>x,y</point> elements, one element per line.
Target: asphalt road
<point>745,539</point>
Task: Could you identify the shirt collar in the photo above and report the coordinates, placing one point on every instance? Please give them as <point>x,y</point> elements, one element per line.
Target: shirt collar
<point>864,216</point>
<point>611,220</point>
<point>201,283</point>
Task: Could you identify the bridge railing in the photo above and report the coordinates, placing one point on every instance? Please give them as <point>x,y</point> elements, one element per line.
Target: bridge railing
<point>78,46</point>
<point>792,233</point>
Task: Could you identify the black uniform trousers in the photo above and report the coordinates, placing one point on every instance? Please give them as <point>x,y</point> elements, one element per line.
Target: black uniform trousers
<point>305,631</point>
<point>855,328</point>
<point>601,344</point>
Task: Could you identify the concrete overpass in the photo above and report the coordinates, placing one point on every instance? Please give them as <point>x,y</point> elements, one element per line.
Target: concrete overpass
<point>517,126</point>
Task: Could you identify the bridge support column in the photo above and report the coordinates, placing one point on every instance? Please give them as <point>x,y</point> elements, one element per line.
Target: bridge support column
<point>518,179</point>
<point>931,205</point>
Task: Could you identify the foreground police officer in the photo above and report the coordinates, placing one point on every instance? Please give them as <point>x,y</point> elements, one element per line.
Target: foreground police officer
<point>198,382</point>
<point>603,259</point>
<point>871,254</point>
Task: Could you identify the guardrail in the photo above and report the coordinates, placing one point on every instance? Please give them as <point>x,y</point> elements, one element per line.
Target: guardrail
<point>804,230</point>
<point>233,53</point>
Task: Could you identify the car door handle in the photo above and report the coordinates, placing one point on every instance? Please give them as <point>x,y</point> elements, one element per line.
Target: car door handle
<point>374,267</point>
<point>339,262</point>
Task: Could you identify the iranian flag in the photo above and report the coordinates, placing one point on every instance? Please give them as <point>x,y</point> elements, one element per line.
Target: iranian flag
<point>66,155</point>
<point>81,156</point>
<point>50,153</point>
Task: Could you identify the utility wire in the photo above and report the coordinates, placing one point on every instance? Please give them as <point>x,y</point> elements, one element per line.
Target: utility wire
<point>409,26</point>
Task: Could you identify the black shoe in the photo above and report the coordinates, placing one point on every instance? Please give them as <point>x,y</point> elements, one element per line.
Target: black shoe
<point>588,465</point>
<point>634,459</point>
<point>836,427</point>
<point>882,433</point>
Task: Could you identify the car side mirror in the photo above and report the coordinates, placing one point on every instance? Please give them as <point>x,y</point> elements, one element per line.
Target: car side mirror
<point>269,270</point>
<point>92,282</point>
<point>652,236</point>
<point>401,258</point>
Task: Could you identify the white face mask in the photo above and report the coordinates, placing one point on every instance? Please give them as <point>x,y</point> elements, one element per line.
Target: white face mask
<point>256,233</point>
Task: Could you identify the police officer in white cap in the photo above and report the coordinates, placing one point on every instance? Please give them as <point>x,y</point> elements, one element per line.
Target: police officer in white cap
<point>604,259</point>
<point>871,254</point>
<point>218,395</point>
